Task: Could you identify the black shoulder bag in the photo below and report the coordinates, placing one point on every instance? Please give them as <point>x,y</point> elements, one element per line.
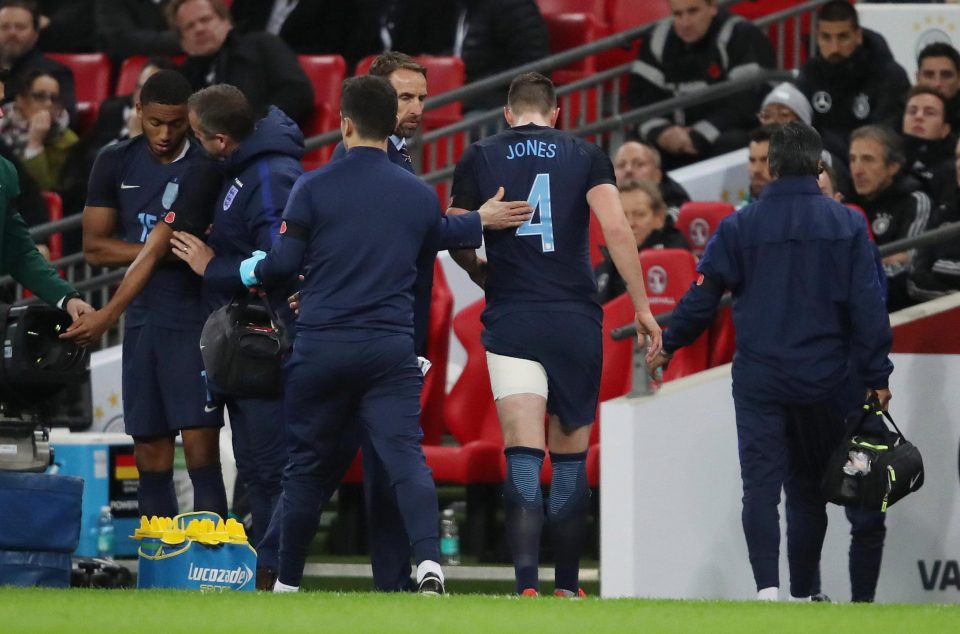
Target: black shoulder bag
<point>243,346</point>
<point>872,471</point>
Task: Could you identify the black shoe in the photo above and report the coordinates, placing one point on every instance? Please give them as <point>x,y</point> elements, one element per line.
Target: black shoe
<point>431,585</point>
<point>266,577</point>
<point>820,598</point>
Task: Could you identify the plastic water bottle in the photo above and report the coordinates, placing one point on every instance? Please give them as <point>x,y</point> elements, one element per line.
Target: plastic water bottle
<point>105,533</point>
<point>449,539</point>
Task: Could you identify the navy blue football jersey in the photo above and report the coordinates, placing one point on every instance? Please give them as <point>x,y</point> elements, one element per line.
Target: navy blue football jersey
<point>127,177</point>
<point>544,263</point>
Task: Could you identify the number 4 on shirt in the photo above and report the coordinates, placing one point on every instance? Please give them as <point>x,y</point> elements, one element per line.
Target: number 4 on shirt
<point>539,197</point>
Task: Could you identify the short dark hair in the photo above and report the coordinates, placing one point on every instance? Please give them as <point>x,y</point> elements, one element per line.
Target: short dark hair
<point>167,87</point>
<point>371,103</point>
<point>384,65</point>
<point>795,150</point>
<point>839,11</point>
<point>532,91</point>
<point>763,133</point>
<point>219,7</point>
<point>27,5</point>
<point>222,109</point>
<point>25,83</point>
<point>940,49</point>
<point>926,90</point>
<point>887,138</point>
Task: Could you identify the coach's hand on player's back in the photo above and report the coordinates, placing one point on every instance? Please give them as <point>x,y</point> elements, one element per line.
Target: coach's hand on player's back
<point>497,213</point>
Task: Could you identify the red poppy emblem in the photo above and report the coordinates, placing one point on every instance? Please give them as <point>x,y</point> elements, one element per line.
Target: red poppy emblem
<point>700,280</point>
<point>713,71</point>
<point>283,227</point>
<point>169,218</point>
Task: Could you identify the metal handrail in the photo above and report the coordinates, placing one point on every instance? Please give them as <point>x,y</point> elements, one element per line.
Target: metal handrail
<point>69,223</point>
<point>551,62</point>
<point>716,91</point>
<point>943,233</point>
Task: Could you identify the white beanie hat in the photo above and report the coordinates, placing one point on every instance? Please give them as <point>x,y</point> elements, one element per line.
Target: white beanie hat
<point>790,96</point>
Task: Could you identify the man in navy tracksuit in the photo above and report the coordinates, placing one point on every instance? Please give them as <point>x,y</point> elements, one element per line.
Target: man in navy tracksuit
<point>353,362</point>
<point>260,162</point>
<point>806,302</point>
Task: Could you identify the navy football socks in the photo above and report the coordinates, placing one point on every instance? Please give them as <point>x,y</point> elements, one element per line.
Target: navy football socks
<point>209,493</point>
<point>567,516</point>
<point>523,503</point>
<point>156,494</point>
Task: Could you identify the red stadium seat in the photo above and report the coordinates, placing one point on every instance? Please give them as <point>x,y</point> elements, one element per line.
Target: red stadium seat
<point>91,78</point>
<point>627,14</point>
<point>326,74</point>
<point>470,414</point>
<point>570,30</point>
<point>438,352</point>
<point>596,8</point>
<point>55,211</point>
<point>698,220</point>
<point>668,274</point>
<point>130,71</point>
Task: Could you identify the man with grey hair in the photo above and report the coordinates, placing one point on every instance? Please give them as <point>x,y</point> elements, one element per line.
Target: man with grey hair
<point>639,161</point>
<point>896,206</point>
<point>807,307</point>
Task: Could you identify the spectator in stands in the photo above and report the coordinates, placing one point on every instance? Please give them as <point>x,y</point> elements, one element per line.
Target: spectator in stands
<point>117,121</point>
<point>133,27</point>
<point>757,168</point>
<point>66,26</point>
<point>938,67</point>
<point>936,269</point>
<point>259,64</point>
<point>492,36</point>
<point>928,141</point>
<point>786,103</point>
<point>700,46</point>
<point>19,31</point>
<point>33,131</point>
<point>652,228</point>
<point>853,80</point>
<point>636,160</point>
<point>310,27</point>
<point>896,206</point>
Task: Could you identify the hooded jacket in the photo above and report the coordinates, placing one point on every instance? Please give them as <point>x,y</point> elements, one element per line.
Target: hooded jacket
<point>868,87</point>
<point>936,269</point>
<point>257,179</point>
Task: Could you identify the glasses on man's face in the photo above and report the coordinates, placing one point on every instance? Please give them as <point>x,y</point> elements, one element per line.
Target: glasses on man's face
<point>45,96</point>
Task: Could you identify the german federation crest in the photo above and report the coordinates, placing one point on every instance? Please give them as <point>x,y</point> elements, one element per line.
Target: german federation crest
<point>170,194</point>
<point>228,199</point>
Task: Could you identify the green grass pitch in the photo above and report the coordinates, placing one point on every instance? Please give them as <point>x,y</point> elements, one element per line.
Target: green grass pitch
<point>38,611</point>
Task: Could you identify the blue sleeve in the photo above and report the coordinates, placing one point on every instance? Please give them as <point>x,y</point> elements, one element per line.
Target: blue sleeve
<point>601,169</point>
<point>719,270</point>
<point>460,231</point>
<point>102,186</point>
<point>871,336</point>
<point>285,258</point>
<point>422,294</point>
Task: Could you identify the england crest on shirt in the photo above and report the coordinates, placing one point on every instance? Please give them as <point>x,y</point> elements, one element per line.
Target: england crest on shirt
<point>170,194</point>
<point>231,194</point>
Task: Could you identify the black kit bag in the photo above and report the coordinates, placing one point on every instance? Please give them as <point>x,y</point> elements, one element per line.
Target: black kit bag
<point>243,346</point>
<point>872,471</point>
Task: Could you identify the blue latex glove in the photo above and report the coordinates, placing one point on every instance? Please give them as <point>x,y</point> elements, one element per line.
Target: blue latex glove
<point>248,267</point>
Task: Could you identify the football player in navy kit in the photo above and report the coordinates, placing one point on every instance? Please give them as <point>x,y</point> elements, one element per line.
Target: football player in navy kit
<point>542,320</point>
<point>132,186</point>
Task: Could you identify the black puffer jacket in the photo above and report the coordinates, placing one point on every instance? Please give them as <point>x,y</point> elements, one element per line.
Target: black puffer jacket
<point>263,67</point>
<point>936,269</point>
<point>501,34</point>
<point>868,87</point>
<point>932,163</point>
